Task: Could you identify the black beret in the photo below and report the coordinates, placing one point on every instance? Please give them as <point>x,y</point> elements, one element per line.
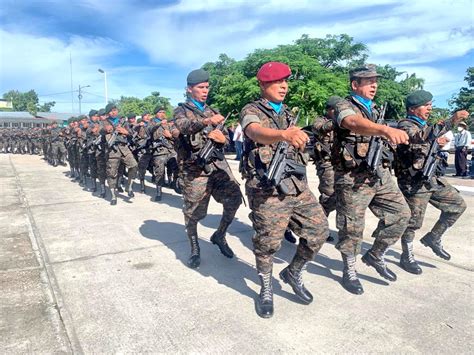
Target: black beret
<point>110,107</point>
<point>158,109</point>
<point>197,76</point>
<point>332,101</point>
<point>101,112</point>
<point>131,115</point>
<point>367,71</point>
<point>92,113</point>
<point>418,98</point>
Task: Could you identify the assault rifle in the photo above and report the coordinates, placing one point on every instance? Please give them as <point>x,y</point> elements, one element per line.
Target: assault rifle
<point>113,138</point>
<point>376,145</point>
<point>281,167</point>
<point>432,159</point>
<point>211,151</point>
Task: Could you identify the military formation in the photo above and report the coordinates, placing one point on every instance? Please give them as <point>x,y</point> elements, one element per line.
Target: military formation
<point>355,152</point>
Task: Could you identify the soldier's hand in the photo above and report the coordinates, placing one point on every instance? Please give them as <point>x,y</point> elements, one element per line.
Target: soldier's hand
<point>217,136</point>
<point>296,137</point>
<point>442,141</point>
<point>122,130</point>
<point>460,116</point>
<point>215,120</point>
<point>396,136</point>
<point>175,133</point>
<point>167,133</point>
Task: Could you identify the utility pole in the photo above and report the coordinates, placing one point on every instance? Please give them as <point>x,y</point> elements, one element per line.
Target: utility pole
<point>79,96</point>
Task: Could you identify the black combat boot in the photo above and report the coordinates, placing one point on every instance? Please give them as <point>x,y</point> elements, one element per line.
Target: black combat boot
<point>293,275</point>
<point>264,305</point>
<point>221,242</point>
<point>142,185</point>
<point>173,184</point>
<point>177,187</point>
<point>55,162</point>
<point>82,179</point>
<point>407,259</point>
<point>429,240</point>
<point>102,191</point>
<point>195,259</point>
<point>77,176</point>
<point>113,200</point>
<point>129,188</point>
<point>375,257</point>
<point>350,281</point>
<point>330,238</point>
<point>158,193</point>
<point>94,185</point>
<point>289,236</point>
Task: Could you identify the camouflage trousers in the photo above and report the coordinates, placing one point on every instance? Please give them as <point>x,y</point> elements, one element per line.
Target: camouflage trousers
<point>327,197</point>
<point>172,168</point>
<point>144,160</point>
<point>444,197</point>
<point>101,166</point>
<point>197,191</point>
<point>58,151</point>
<point>121,155</point>
<point>159,165</point>
<point>272,214</point>
<point>357,191</point>
<point>71,157</point>
<point>84,162</point>
<point>92,165</point>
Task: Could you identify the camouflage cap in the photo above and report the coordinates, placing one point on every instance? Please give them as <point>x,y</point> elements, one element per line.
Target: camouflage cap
<point>101,112</point>
<point>332,101</point>
<point>367,71</point>
<point>110,107</point>
<point>418,98</point>
<point>92,113</point>
<point>197,76</point>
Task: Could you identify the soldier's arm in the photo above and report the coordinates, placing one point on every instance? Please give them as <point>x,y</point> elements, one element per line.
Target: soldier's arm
<point>322,125</point>
<point>347,118</point>
<point>188,126</point>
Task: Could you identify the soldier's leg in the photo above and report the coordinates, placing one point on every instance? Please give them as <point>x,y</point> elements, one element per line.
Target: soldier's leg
<point>227,192</point>
<point>390,206</point>
<point>101,172</point>
<point>54,154</point>
<point>84,167</point>
<point>93,170</point>
<point>196,198</point>
<point>327,197</point>
<point>452,206</point>
<point>159,162</point>
<point>62,154</point>
<point>270,216</point>
<point>309,222</point>
<point>352,200</point>
<point>143,162</point>
<point>113,164</point>
<point>132,168</point>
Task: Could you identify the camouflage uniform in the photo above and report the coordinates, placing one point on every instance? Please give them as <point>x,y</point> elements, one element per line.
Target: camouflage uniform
<point>418,193</point>
<point>323,130</point>
<point>357,189</point>
<point>272,211</point>
<point>101,158</point>
<point>119,154</point>
<point>58,150</point>
<point>200,184</point>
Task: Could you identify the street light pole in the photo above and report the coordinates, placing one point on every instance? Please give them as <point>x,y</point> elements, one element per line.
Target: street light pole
<point>105,85</point>
<point>79,96</point>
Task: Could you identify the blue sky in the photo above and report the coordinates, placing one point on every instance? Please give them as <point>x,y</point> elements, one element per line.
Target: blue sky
<point>147,46</point>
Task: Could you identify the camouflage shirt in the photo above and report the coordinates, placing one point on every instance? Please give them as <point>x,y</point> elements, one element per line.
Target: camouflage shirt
<point>350,148</point>
<point>193,134</point>
<point>257,157</point>
<point>411,157</point>
<point>323,130</point>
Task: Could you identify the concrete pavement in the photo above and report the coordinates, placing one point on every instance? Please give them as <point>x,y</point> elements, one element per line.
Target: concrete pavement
<point>81,276</point>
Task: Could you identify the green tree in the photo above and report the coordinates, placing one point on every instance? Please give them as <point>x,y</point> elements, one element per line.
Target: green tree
<point>134,105</point>
<point>27,101</point>
<point>464,99</point>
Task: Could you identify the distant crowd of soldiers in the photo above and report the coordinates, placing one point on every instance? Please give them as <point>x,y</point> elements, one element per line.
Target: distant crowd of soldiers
<point>354,151</point>
<point>21,141</point>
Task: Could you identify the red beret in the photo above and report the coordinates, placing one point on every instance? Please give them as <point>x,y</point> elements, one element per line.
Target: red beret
<point>273,71</point>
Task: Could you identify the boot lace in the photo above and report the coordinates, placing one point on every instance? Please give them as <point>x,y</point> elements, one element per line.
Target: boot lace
<point>266,293</point>
<point>410,255</point>
<point>194,247</point>
<point>351,271</point>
